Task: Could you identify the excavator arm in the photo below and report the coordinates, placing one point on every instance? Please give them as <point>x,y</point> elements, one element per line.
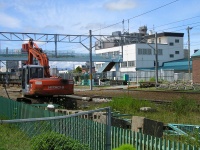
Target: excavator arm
<point>35,52</point>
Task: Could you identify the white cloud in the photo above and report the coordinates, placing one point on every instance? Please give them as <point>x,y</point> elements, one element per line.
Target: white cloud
<point>8,21</point>
<point>120,5</point>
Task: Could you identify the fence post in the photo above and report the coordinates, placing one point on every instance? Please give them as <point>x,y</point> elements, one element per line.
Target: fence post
<point>108,130</point>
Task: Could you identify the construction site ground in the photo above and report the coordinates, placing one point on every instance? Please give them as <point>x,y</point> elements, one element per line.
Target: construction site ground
<point>113,91</point>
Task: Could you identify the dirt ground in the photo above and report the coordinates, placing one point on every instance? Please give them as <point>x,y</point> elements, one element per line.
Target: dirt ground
<point>15,91</point>
<point>138,94</point>
<point>11,92</point>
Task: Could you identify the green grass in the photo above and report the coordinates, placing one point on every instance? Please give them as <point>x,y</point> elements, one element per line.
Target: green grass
<point>13,139</point>
<point>183,110</point>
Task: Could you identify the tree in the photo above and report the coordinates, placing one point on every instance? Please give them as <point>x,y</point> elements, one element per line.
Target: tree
<point>78,70</point>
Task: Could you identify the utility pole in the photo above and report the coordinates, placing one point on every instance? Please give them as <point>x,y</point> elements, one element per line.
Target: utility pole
<point>6,79</point>
<point>90,34</point>
<point>56,39</point>
<point>156,58</point>
<point>188,30</point>
<point>122,46</point>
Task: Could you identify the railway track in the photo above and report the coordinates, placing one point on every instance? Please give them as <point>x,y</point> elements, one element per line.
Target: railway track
<point>156,96</point>
<point>104,95</point>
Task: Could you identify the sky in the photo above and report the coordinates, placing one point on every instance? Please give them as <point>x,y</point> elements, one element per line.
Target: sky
<point>77,17</point>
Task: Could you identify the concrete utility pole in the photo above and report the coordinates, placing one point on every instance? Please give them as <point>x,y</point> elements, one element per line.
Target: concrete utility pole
<point>90,34</point>
<point>188,30</point>
<point>122,46</point>
<point>55,36</point>
<point>6,78</point>
<point>156,58</point>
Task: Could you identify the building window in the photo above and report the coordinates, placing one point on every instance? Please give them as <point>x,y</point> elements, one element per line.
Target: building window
<point>171,44</point>
<point>110,54</point>
<point>139,51</point>
<point>176,40</point>
<point>171,55</point>
<point>160,52</point>
<point>124,64</point>
<point>176,52</point>
<point>131,63</point>
<point>149,51</point>
<point>98,66</point>
<point>104,54</point>
<point>144,51</point>
<point>159,40</point>
<point>116,53</point>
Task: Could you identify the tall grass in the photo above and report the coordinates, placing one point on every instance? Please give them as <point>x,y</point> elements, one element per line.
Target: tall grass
<point>183,110</point>
<point>184,105</point>
<point>128,104</point>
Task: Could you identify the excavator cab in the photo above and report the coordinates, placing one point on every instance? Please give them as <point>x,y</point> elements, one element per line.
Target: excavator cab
<point>34,83</point>
<point>30,72</point>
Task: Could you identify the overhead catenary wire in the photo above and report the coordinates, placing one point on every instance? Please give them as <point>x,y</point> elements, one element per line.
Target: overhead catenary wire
<point>136,16</point>
<point>174,22</point>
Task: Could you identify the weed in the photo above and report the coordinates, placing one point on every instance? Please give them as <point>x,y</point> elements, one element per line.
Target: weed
<point>125,147</point>
<point>127,104</point>
<point>184,105</point>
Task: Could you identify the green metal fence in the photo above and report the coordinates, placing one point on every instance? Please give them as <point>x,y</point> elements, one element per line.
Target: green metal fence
<point>16,110</point>
<point>97,135</point>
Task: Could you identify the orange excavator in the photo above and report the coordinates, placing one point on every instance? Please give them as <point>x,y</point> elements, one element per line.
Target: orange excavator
<point>36,79</point>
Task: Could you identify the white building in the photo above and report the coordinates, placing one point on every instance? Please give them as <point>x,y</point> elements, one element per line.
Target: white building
<point>141,55</point>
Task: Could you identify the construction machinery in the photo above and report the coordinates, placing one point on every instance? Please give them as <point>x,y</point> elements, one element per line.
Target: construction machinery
<point>36,78</point>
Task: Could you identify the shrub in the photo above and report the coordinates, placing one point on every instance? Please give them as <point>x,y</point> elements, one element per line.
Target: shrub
<point>55,141</point>
<point>152,79</point>
<point>125,147</point>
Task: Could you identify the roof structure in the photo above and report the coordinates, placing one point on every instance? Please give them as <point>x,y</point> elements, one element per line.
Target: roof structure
<point>166,34</point>
<point>196,54</point>
<point>179,65</point>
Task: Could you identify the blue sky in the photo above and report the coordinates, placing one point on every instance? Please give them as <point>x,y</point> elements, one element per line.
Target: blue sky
<point>80,16</point>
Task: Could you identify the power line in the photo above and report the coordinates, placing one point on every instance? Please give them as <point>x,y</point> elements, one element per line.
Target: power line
<point>184,28</point>
<point>175,22</point>
<point>180,26</point>
<point>136,16</point>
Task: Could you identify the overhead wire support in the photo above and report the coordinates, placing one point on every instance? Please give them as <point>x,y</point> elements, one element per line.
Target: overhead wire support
<point>188,30</point>
<point>156,59</point>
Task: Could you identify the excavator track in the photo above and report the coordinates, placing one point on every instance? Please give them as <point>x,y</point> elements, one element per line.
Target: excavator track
<point>62,101</point>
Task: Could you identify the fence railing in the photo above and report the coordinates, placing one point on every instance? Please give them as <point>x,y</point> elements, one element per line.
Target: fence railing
<point>137,76</point>
<point>97,135</point>
<point>85,131</point>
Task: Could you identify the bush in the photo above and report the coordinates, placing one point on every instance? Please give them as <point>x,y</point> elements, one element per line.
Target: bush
<point>55,141</point>
<point>125,147</point>
<point>152,79</point>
